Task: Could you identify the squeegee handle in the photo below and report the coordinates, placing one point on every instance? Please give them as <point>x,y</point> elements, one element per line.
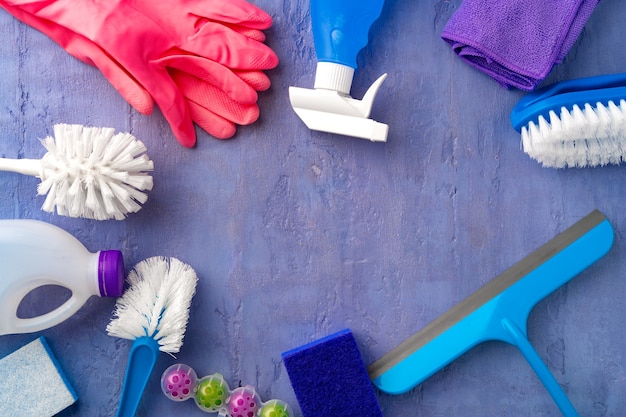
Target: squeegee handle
<point>558,395</point>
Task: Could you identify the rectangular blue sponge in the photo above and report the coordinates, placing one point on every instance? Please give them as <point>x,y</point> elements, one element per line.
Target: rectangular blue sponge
<point>329,378</point>
<point>32,384</point>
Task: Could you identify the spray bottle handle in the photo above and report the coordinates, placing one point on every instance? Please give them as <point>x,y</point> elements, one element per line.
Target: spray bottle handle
<point>12,324</point>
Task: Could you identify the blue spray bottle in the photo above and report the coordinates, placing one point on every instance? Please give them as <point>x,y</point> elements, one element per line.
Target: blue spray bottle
<point>340,31</point>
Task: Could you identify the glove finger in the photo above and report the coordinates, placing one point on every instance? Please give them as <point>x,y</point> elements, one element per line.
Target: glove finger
<point>213,124</point>
<point>211,98</point>
<point>255,79</point>
<point>253,34</point>
<point>213,73</point>
<point>28,6</point>
<point>238,12</point>
<point>231,11</point>
<point>172,104</point>
<point>230,48</point>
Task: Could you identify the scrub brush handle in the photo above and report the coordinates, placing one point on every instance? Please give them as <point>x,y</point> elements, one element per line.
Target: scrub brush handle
<point>141,361</point>
<point>574,85</point>
<point>30,167</point>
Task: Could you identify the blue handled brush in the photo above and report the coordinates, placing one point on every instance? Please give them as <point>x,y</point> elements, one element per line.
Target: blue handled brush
<point>153,312</point>
<point>575,123</point>
<point>499,311</point>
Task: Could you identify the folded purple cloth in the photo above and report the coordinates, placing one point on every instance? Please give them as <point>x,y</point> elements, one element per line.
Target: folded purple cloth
<point>517,42</point>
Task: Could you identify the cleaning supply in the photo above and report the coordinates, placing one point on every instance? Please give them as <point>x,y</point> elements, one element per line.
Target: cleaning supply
<point>517,43</point>
<point>89,172</point>
<point>33,254</point>
<point>499,311</point>
<point>32,384</point>
<point>137,43</point>
<point>340,30</point>
<point>575,123</point>
<point>153,312</point>
<point>330,379</point>
<point>212,394</point>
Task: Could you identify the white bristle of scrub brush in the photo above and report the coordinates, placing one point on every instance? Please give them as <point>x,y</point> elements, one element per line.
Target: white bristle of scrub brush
<point>594,135</point>
<point>156,303</point>
<point>89,172</point>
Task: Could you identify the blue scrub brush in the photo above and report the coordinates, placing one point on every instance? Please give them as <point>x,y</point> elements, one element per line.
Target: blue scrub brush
<point>89,172</point>
<point>575,123</point>
<point>153,312</point>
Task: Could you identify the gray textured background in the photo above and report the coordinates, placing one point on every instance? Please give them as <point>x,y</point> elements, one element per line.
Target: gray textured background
<point>297,234</point>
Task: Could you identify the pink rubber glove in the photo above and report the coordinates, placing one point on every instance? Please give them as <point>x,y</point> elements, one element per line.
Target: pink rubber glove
<point>210,108</point>
<point>220,121</point>
<point>221,117</point>
<point>88,52</point>
<point>197,46</point>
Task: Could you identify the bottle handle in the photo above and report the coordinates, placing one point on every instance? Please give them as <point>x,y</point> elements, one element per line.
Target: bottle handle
<point>44,321</point>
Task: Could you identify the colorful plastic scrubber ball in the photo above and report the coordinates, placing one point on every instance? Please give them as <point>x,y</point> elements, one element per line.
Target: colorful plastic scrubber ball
<point>178,382</point>
<point>275,408</point>
<point>211,393</point>
<point>244,402</point>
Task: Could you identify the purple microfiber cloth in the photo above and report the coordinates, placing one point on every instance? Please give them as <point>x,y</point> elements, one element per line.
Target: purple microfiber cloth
<point>516,42</point>
<point>329,378</point>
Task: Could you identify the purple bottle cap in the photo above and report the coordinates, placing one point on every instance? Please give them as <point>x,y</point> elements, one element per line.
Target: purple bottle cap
<point>111,273</point>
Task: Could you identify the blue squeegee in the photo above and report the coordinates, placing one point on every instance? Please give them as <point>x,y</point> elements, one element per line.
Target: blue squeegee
<point>499,311</point>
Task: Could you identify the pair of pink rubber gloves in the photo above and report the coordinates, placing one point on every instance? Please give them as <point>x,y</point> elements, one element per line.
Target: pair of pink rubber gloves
<point>200,61</point>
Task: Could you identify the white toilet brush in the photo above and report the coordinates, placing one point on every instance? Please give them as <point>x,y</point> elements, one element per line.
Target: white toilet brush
<point>89,172</point>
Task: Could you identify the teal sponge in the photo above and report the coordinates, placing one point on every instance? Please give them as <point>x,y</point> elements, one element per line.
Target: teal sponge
<point>32,383</point>
<point>329,378</point>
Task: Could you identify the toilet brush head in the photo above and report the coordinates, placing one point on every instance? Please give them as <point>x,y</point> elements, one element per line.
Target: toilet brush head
<point>153,311</point>
<point>93,172</point>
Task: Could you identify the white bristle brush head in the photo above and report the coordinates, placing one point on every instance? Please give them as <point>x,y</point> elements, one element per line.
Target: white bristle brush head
<point>156,303</point>
<point>578,137</point>
<point>94,173</point>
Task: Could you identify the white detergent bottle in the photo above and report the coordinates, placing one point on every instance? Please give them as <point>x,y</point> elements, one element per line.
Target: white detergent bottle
<point>34,253</point>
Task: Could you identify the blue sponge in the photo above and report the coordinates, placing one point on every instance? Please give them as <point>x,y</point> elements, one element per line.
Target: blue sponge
<point>32,384</point>
<point>329,378</point>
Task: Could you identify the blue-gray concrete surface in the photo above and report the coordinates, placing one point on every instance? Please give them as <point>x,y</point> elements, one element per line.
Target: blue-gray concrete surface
<point>297,234</point>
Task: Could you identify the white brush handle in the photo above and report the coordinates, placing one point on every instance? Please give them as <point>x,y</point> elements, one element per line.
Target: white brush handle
<point>30,167</point>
